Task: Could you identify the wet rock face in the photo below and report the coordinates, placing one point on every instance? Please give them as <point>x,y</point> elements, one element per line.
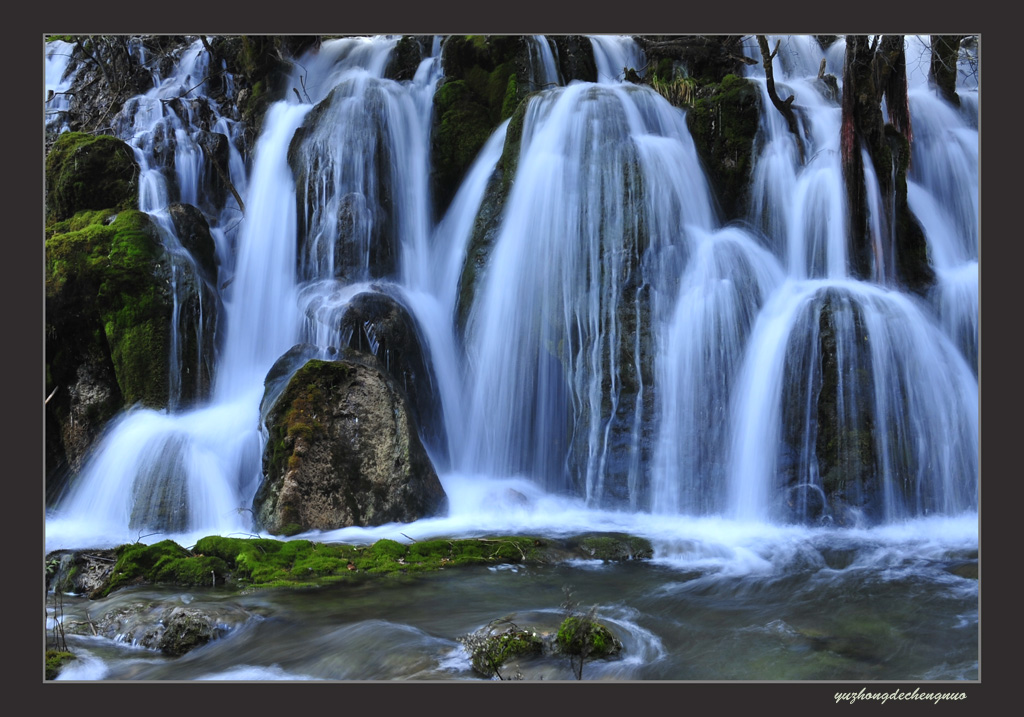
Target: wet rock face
<point>724,120</point>
<point>378,324</point>
<point>342,451</point>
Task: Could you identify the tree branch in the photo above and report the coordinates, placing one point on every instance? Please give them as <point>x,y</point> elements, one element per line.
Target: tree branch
<point>783,106</point>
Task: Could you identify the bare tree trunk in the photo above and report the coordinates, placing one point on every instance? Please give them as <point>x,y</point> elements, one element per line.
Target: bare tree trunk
<point>942,68</point>
<point>875,69</point>
<point>783,106</point>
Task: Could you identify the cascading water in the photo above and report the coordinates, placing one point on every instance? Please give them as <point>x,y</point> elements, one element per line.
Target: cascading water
<point>627,361</point>
<point>613,54</point>
<point>846,392</point>
<point>58,82</point>
<point>607,359</point>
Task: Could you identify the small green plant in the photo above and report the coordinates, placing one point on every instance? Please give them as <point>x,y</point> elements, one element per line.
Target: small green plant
<point>581,637</point>
<point>679,90</point>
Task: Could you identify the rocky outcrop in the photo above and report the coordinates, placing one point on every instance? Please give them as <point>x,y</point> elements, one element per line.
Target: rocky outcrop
<point>724,120</point>
<point>343,450</point>
<point>108,73</point>
<point>217,179</point>
<point>193,232</point>
<point>109,309</point>
<point>707,58</point>
<point>259,67</point>
<point>488,219</point>
<point>485,79</point>
<point>410,51</point>
<point>575,55</point>
<point>251,562</point>
<point>81,572</point>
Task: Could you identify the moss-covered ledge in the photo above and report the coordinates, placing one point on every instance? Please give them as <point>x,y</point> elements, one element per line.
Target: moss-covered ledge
<point>106,289</point>
<point>251,563</point>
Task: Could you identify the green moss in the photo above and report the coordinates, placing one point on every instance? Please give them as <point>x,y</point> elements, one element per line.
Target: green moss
<point>481,90</point>
<point>165,562</point>
<point>304,392</point>
<point>724,120</point>
<point>615,547</point>
<point>86,172</point>
<point>265,562</point>
<point>390,549</point>
<point>101,274</point>
<point>55,661</point>
<point>582,637</point>
<point>489,653</point>
<point>139,563</point>
<point>511,99</point>
<point>463,126</point>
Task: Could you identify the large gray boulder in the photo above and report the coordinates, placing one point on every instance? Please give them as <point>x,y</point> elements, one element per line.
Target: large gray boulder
<point>343,450</point>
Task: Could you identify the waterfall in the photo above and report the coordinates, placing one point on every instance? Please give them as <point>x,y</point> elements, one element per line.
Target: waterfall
<point>624,348</point>
<point>261,303</point>
<point>942,189</point>
<point>543,65</point>
<point>559,340</point>
<point>725,284</point>
<point>847,386</point>
<point>902,405</point>
<point>58,82</point>
<point>613,54</point>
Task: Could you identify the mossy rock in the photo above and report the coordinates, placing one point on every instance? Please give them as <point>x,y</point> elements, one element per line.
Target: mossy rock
<point>108,312</point>
<point>109,276</point>
<point>482,86</point>
<point>724,120</point>
<point>499,643</point>
<point>260,66</point>
<point>614,547</point>
<point>165,562</point>
<point>580,636</point>
<point>86,172</point>
<point>55,662</point>
<point>708,58</point>
<point>248,563</point>
<point>344,450</point>
<point>463,126</point>
<point>406,58</point>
